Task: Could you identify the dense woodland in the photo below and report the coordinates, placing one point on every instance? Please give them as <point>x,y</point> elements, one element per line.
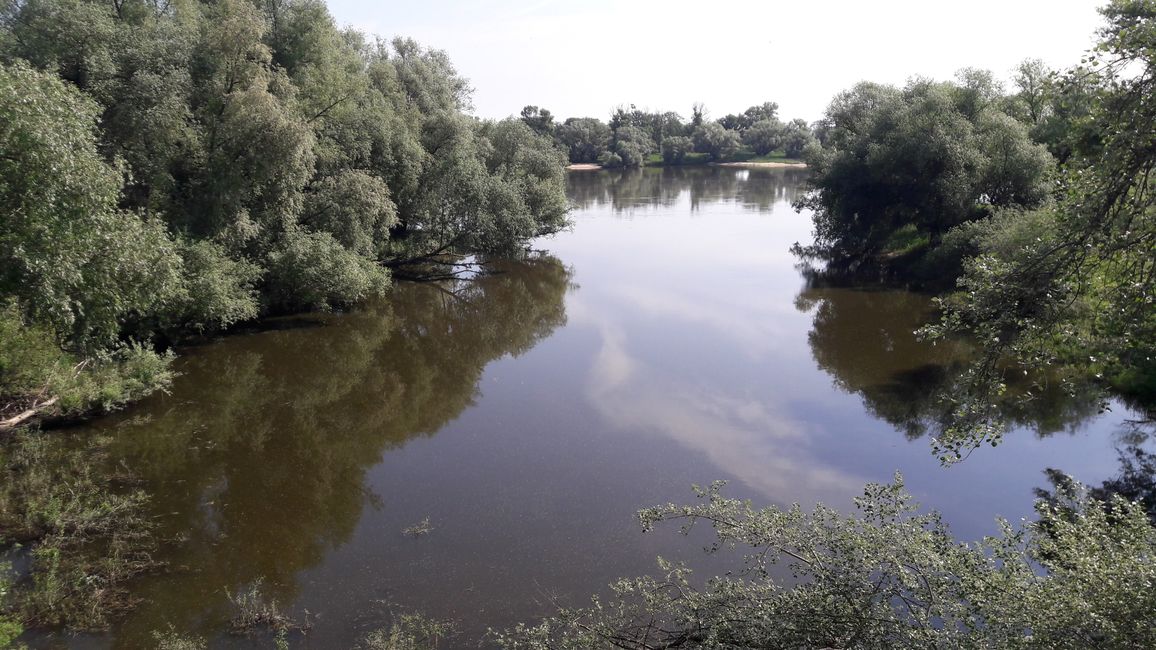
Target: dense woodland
<point>171,169</point>
<point>635,137</point>
<point>174,168</point>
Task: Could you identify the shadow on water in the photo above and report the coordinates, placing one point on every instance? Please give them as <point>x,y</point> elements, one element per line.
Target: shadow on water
<point>865,340</point>
<point>258,469</point>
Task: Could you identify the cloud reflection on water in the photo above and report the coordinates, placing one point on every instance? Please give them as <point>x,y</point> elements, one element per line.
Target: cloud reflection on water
<point>749,439</point>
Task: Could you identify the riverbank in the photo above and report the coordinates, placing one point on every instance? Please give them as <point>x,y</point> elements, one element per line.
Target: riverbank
<point>751,163</point>
<point>580,167</point>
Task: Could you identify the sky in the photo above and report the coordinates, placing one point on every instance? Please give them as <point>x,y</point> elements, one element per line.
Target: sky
<point>584,58</point>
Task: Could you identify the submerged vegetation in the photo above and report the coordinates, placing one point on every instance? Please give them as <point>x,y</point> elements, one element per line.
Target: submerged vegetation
<point>85,526</point>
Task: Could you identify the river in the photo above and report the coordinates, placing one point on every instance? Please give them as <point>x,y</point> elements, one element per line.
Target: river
<point>522,418</point>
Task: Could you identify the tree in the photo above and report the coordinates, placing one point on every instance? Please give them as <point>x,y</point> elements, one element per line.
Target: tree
<point>585,137</point>
<point>715,141</point>
<point>888,577</point>
<point>931,156</point>
<point>69,255</point>
<point>764,136</point>
<point>675,148</point>
<point>252,157</point>
<point>630,147</point>
<point>697,115</point>
<point>1033,80</point>
<point>751,116</point>
<point>1073,282</point>
<point>796,138</point>
<point>538,119</point>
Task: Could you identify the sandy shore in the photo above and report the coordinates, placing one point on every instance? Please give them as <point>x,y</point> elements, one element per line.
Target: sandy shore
<point>583,167</point>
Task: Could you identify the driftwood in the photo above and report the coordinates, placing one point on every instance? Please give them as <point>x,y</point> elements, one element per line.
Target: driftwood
<point>20,418</point>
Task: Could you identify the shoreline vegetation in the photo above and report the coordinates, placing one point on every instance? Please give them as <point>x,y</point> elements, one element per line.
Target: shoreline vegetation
<point>173,170</point>
<point>1029,213</point>
<point>751,164</point>
<point>642,138</point>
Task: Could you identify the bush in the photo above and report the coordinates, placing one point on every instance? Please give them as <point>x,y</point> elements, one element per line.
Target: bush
<point>218,290</point>
<point>33,370</point>
<point>715,141</point>
<point>886,578</point>
<point>314,271</point>
<point>675,148</point>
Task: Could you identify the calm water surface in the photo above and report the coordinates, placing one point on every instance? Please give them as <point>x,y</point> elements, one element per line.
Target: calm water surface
<point>667,339</point>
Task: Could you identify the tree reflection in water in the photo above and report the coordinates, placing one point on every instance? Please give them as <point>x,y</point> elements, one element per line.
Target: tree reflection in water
<point>258,469</point>
<point>865,340</point>
<point>756,189</point>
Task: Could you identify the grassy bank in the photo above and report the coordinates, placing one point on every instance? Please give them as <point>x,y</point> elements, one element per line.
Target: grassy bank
<point>743,155</point>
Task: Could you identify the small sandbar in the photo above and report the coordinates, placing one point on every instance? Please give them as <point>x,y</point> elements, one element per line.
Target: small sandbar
<point>583,167</point>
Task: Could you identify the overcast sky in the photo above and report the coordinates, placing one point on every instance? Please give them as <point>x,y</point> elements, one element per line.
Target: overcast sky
<point>584,58</point>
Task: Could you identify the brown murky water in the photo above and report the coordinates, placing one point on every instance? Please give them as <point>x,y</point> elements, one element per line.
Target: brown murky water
<point>667,339</point>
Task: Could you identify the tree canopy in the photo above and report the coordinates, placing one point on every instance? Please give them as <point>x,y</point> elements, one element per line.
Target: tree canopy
<point>1074,281</point>
<point>183,166</point>
<point>930,156</point>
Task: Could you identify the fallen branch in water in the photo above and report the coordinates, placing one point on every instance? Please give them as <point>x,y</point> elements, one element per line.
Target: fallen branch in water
<point>20,418</point>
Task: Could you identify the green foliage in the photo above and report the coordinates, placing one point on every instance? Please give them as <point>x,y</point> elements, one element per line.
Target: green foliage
<point>10,628</point>
<point>630,146</point>
<point>797,138</point>
<point>218,290</point>
<point>355,207</point>
<point>715,141</point>
<point>35,373</point>
<point>767,111</point>
<point>112,378</point>
<point>86,537</point>
<point>409,632</point>
<point>1073,283</point>
<point>675,149</point>
<point>171,640</point>
<point>254,612</point>
<point>181,167</point>
<point>932,155</point>
<point>634,136</point>
<point>314,271</point>
<point>29,355</point>
<point>538,119</point>
<point>72,259</point>
<point>610,160</point>
<point>764,136</point>
<point>887,577</point>
<point>586,138</point>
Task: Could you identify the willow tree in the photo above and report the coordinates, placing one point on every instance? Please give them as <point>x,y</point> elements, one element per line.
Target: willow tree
<point>1074,283</point>
<point>928,157</point>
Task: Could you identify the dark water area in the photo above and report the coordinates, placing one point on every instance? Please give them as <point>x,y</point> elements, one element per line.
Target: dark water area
<point>667,339</point>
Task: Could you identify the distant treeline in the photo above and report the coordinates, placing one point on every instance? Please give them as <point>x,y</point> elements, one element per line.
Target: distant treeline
<point>634,137</point>
<point>169,168</point>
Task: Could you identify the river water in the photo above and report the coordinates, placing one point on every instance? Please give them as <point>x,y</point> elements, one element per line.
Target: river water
<point>522,418</point>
